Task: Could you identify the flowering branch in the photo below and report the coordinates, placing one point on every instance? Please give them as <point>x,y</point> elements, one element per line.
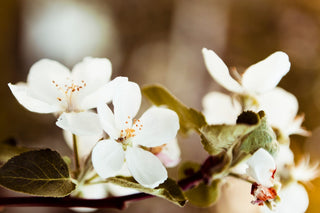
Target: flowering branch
<point>112,202</point>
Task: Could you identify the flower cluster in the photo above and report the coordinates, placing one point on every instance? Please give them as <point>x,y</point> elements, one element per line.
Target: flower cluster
<point>118,152</point>
<point>144,144</point>
<point>256,90</point>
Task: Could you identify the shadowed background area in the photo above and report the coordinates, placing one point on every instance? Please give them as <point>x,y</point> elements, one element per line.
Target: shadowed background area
<point>161,42</point>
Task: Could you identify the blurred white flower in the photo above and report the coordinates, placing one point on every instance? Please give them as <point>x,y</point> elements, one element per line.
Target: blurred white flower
<point>258,78</point>
<point>90,191</point>
<point>293,195</point>
<point>52,88</point>
<point>281,108</point>
<point>293,199</point>
<point>304,171</point>
<point>127,138</point>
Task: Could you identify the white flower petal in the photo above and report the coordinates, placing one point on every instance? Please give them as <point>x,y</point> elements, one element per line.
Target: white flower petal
<point>107,158</point>
<point>94,73</point>
<point>126,102</point>
<point>261,166</point>
<point>219,71</point>
<point>294,199</point>
<point>42,80</point>
<point>160,126</point>
<point>85,142</point>
<point>266,74</point>
<point>102,95</point>
<point>107,121</point>
<point>219,108</point>
<point>145,167</point>
<point>170,154</point>
<point>284,157</point>
<point>80,123</point>
<point>296,128</point>
<point>280,107</point>
<point>32,104</point>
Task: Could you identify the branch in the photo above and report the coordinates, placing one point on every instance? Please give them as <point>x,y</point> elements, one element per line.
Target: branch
<point>111,202</point>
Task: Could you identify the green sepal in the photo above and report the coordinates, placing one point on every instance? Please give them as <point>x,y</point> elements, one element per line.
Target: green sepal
<point>41,172</point>
<point>262,137</point>
<point>168,190</point>
<point>190,119</point>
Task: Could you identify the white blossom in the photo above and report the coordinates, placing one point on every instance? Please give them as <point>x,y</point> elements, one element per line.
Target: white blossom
<point>258,78</point>
<point>53,88</point>
<point>156,127</point>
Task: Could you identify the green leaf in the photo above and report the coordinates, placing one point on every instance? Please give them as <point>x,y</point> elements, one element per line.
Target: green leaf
<point>189,118</point>
<point>262,137</point>
<point>8,149</point>
<point>204,195</point>
<point>41,173</point>
<point>219,138</point>
<point>168,190</point>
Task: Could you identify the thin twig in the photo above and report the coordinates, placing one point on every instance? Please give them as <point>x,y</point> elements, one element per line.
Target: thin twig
<point>76,155</point>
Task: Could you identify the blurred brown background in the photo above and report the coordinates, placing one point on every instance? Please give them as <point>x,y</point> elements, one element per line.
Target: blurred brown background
<point>161,42</point>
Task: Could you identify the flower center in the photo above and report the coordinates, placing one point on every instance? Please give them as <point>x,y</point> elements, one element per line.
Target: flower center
<point>67,90</point>
<point>126,134</point>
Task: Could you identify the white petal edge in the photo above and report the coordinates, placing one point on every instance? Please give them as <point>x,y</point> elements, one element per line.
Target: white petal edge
<point>219,108</point>
<point>266,74</point>
<point>160,126</point>
<point>219,71</point>
<point>261,166</point>
<point>107,121</point>
<point>145,167</point>
<point>20,92</point>
<point>102,95</point>
<point>107,158</point>
<point>126,103</point>
<point>41,77</point>
<point>80,123</point>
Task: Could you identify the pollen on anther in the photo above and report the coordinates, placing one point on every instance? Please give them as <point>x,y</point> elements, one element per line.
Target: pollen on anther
<point>53,82</point>
<point>59,99</point>
<point>139,128</point>
<point>126,122</point>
